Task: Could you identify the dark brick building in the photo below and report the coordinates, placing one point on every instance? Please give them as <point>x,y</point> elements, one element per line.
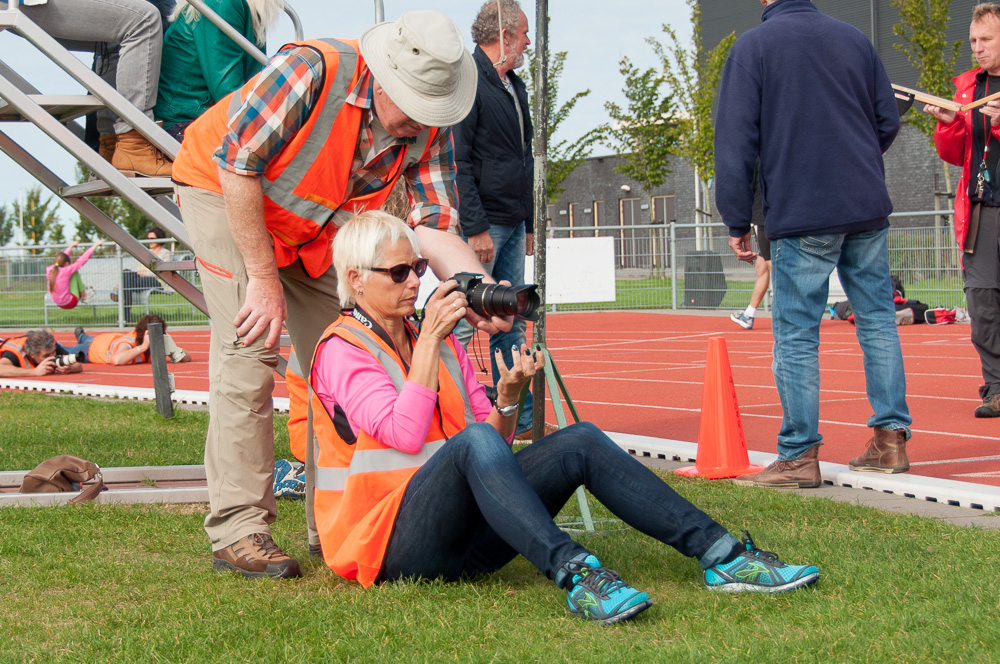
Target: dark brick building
<point>595,194</point>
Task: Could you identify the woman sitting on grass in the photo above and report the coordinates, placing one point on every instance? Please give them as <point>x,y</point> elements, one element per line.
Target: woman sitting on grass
<point>121,348</point>
<point>419,480</point>
<point>65,285</point>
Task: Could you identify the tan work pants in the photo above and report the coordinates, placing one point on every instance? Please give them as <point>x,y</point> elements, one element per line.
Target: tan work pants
<point>239,449</point>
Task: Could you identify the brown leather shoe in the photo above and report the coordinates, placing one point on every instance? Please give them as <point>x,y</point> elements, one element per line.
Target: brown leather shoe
<point>135,155</point>
<point>990,407</point>
<point>255,556</point>
<point>107,146</point>
<point>801,472</point>
<point>886,453</point>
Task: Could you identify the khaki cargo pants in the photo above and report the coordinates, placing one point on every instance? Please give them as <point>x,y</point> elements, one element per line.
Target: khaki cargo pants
<point>239,449</point>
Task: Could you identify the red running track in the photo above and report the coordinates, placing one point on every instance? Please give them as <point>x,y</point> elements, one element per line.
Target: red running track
<point>642,373</point>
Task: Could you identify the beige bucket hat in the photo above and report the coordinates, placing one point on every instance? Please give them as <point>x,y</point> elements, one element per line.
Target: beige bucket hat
<point>421,62</point>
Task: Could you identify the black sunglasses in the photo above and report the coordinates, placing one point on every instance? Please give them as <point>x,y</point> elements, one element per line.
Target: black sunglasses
<point>399,273</point>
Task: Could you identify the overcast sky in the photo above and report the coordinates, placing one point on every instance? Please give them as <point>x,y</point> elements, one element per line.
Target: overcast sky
<point>596,34</point>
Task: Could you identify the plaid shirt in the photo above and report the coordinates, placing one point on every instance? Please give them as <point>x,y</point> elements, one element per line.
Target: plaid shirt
<point>277,107</point>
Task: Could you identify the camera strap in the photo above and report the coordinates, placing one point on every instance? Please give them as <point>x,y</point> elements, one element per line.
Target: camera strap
<point>366,319</point>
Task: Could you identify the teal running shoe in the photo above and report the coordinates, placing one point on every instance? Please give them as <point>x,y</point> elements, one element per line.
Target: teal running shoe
<point>599,594</point>
<point>754,570</point>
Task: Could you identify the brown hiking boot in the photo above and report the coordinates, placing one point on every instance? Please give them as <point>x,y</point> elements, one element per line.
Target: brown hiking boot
<point>135,155</point>
<point>990,407</point>
<point>107,146</point>
<point>886,453</point>
<point>255,556</point>
<point>801,472</point>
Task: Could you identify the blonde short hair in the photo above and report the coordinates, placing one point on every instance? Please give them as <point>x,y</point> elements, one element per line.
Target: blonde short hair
<point>360,243</point>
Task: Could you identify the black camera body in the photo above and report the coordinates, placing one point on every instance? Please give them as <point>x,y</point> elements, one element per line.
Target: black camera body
<point>496,300</point>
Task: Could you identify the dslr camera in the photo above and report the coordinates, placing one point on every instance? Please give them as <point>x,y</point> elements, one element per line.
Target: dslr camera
<point>66,360</point>
<point>496,300</point>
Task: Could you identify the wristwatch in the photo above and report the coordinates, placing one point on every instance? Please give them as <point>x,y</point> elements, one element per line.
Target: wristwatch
<point>506,411</point>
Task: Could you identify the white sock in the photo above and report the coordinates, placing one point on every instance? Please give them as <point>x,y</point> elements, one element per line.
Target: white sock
<point>750,311</point>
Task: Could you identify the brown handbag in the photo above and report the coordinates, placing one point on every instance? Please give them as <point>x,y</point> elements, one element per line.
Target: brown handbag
<point>65,473</point>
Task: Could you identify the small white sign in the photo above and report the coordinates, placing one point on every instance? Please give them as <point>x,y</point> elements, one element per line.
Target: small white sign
<point>578,270</point>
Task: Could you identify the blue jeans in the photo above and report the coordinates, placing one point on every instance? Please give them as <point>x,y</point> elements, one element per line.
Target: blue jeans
<point>82,346</point>
<point>475,505</point>
<point>507,264</point>
<point>800,272</point>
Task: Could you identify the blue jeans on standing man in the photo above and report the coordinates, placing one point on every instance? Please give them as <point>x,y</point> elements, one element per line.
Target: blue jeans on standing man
<point>507,264</point>
<point>800,273</point>
<point>475,505</point>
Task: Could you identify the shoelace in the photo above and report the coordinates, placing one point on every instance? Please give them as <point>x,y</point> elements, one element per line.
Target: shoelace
<point>266,545</point>
<point>602,581</point>
<point>760,554</point>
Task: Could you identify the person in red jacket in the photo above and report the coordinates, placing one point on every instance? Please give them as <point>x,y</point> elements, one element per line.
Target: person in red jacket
<point>971,139</point>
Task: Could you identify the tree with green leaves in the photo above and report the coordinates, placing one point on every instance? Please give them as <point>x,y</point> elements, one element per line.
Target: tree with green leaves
<point>922,25</point>
<point>564,156</point>
<point>645,132</point>
<point>41,221</point>
<point>121,212</point>
<point>6,226</point>
<point>694,75</point>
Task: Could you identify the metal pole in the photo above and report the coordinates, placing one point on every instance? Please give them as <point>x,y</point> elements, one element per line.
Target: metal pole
<point>229,31</point>
<point>161,377</point>
<point>379,11</point>
<point>673,265</point>
<point>540,77</point>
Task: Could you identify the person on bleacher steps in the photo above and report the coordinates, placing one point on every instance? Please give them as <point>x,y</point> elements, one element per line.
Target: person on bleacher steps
<point>201,65</point>
<point>126,36</point>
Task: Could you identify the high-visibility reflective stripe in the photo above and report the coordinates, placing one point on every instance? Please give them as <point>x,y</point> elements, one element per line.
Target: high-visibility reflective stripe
<point>282,189</point>
<point>451,364</point>
<point>367,461</point>
<point>293,364</point>
<point>384,358</point>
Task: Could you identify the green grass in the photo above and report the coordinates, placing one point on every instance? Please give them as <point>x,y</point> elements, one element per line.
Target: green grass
<point>133,583</point>
<point>24,311</point>
<point>655,293</point>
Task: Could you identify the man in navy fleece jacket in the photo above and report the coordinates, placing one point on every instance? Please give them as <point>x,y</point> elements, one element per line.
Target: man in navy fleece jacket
<point>809,97</point>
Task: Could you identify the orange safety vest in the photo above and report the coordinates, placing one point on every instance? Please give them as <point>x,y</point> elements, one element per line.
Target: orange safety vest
<point>305,185</point>
<point>16,346</point>
<point>104,346</point>
<point>299,396</point>
<point>359,485</point>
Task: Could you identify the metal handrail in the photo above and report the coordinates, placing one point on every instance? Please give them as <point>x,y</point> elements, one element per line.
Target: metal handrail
<point>240,40</point>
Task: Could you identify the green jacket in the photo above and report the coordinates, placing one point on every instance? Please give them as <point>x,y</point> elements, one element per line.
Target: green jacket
<point>201,65</point>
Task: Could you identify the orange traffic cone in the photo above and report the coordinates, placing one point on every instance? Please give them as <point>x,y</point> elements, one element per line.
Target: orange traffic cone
<point>722,447</point>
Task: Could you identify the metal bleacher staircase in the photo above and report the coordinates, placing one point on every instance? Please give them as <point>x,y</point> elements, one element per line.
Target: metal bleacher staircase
<point>57,116</point>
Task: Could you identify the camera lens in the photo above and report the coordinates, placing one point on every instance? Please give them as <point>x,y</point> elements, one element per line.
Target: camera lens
<point>496,300</point>
<point>65,360</point>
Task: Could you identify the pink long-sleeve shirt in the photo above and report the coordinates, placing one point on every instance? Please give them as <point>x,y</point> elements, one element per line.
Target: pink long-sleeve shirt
<point>347,375</point>
<point>60,294</point>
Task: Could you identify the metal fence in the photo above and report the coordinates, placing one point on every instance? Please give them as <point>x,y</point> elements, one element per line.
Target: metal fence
<point>657,266</point>
<point>23,291</point>
<point>671,266</point>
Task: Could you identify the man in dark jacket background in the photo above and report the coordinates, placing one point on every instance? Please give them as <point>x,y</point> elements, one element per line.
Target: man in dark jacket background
<point>809,97</point>
<point>495,165</point>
